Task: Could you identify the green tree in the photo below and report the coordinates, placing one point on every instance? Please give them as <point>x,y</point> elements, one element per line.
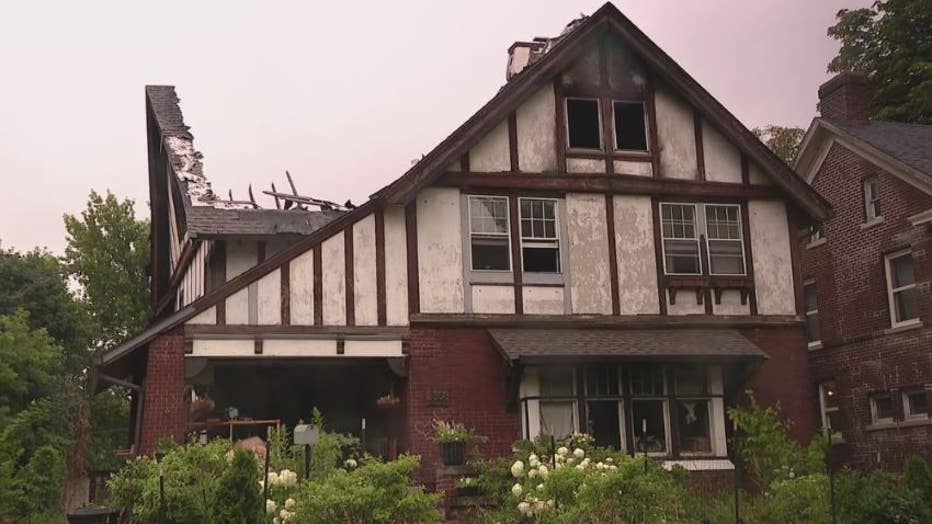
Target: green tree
<point>891,42</point>
<point>783,141</point>
<point>108,255</point>
<point>237,499</point>
<point>30,364</point>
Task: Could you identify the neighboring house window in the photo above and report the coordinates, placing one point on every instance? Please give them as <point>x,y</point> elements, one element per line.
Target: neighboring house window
<point>650,417</point>
<point>812,312</point>
<point>680,239</point>
<point>693,410</point>
<point>630,126</point>
<point>557,405</point>
<point>872,199</point>
<point>915,403</point>
<point>881,408</point>
<point>726,248</point>
<point>815,233</point>
<point>828,404</point>
<point>901,288</point>
<point>540,243</point>
<point>583,123</point>
<point>488,233</point>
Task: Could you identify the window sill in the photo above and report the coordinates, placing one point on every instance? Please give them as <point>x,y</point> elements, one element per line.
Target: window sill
<point>695,464</point>
<point>909,325</point>
<point>871,223</point>
<point>816,243</point>
<point>911,423</point>
<point>815,346</point>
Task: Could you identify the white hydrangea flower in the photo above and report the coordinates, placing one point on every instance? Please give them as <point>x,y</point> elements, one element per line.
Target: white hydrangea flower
<point>270,506</point>
<point>524,508</point>
<point>516,490</point>
<point>543,471</point>
<point>540,487</point>
<point>563,451</point>
<point>532,473</point>
<point>533,460</point>
<point>579,453</point>
<point>517,469</point>
<point>351,463</point>
<point>276,520</point>
<point>273,478</point>
<point>551,503</point>
<point>609,460</point>
<point>289,503</point>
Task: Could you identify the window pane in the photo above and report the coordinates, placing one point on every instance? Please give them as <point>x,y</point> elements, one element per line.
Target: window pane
<point>556,418</point>
<point>883,407</point>
<point>682,256</point>
<point>917,403</point>
<point>646,380</point>
<point>901,271</point>
<point>630,129</point>
<point>812,327</point>
<point>601,381</point>
<point>488,215</point>
<point>726,257</point>
<point>906,308</point>
<point>694,427</point>
<point>490,253</point>
<point>678,221</point>
<point>722,222</point>
<point>829,395</point>
<point>582,117</point>
<point>809,294</point>
<point>649,423</point>
<point>541,259</point>
<point>604,423</point>
<point>556,382</point>
<point>691,381</point>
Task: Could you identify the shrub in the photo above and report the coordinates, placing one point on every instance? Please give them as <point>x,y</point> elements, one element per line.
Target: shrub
<point>918,479</point>
<point>877,498</point>
<point>801,500</point>
<point>237,499</point>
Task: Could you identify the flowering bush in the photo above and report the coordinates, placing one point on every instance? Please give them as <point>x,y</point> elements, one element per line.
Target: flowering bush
<point>451,432</point>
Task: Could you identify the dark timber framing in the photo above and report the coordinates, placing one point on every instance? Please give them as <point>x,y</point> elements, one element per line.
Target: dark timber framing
<point>381,310</point>
<point>286,293</point>
<point>318,286</point>
<point>749,258</point>
<point>700,148</point>
<point>517,269</point>
<point>560,128</point>
<point>414,284</point>
<point>658,255</point>
<point>349,272</point>
<point>513,141</point>
<point>612,253</point>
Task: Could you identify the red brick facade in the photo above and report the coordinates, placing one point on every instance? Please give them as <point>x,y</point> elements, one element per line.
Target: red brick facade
<point>164,410</point>
<point>860,352</point>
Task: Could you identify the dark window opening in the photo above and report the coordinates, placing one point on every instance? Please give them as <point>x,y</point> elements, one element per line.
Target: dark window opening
<point>630,127</point>
<point>649,423</point>
<point>582,122</point>
<point>604,423</point>
<point>694,426</point>
<point>490,254</point>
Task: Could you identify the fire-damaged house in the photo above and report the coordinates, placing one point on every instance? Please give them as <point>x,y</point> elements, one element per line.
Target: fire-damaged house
<point>602,248</point>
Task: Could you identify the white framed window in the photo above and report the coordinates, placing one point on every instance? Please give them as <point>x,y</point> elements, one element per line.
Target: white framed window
<point>489,238</point>
<point>693,410</point>
<point>872,199</point>
<point>881,408</point>
<point>901,288</point>
<point>915,403</point>
<point>724,239</point>
<point>583,123</point>
<point>557,406</point>
<point>630,128</point>
<point>828,405</point>
<point>605,412</point>
<point>650,410</point>
<point>540,235</point>
<point>811,301</point>
<point>680,237</point>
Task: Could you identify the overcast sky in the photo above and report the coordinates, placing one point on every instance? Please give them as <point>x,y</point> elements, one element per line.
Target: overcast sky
<point>344,94</point>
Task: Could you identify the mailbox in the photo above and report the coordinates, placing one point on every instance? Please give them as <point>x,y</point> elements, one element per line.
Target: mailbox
<point>306,435</point>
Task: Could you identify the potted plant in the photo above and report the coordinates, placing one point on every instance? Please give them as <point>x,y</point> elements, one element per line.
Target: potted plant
<point>467,486</point>
<point>388,401</point>
<point>452,437</point>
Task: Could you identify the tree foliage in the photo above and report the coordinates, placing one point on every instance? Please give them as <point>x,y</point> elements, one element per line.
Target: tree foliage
<point>30,365</point>
<point>891,42</point>
<point>783,141</point>
<point>108,255</point>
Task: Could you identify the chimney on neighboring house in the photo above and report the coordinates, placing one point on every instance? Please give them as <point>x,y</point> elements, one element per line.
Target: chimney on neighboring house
<point>844,97</point>
<point>522,54</point>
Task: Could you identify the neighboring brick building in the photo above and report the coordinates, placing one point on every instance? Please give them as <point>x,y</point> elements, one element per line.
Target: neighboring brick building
<point>601,248</point>
<point>868,278</point>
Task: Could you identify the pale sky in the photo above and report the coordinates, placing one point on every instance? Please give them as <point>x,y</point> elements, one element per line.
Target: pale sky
<point>343,95</point>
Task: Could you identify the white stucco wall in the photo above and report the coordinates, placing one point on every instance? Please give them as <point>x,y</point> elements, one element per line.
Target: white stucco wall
<point>535,118</point>
<point>722,159</point>
<point>333,283</point>
<point>206,317</point>
<point>685,303</point>
<point>757,176</point>
<point>543,300</point>
<point>396,267</point>
<point>773,269</point>
<point>237,307</point>
<point>585,165</point>
<point>731,304</point>
<point>439,247</point>
<point>627,167</point>
<point>492,152</point>
<point>493,299</point>
<point>364,289</point>
<point>302,289</point>
<point>298,348</point>
<point>241,255</point>
<point>676,134</point>
<point>270,298</point>
<point>588,243</point>
<point>634,245</point>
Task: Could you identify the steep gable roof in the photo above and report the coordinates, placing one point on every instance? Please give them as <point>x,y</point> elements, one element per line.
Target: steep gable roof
<point>542,71</point>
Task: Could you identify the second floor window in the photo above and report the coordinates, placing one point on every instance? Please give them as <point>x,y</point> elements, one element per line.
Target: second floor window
<point>630,126</point>
<point>726,249</point>
<point>680,239</point>
<point>812,312</point>
<point>872,199</point>
<point>682,226</point>
<point>881,408</point>
<point>488,233</point>
<point>901,288</point>
<point>540,243</point>
<point>915,403</point>
<point>583,123</point>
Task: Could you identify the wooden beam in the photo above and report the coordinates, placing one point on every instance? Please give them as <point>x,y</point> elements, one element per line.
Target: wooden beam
<point>650,100</point>
<point>745,170</point>
<point>612,254</point>
<point>272,331</point>
<point>560,129</point>
<point>381,309</point>
<point>414,293</point>
<point>318,286</point>
<point>286,293</point>
<point>658,256</point>
<point>700,148</point>
<point>515,224</point>
<point>749,254</point>
<point>349,272</point>
<point>513,141</point>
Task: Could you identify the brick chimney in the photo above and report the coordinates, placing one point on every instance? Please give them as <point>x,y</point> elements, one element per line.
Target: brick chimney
<point>844,97</point>
<point>521,54</point>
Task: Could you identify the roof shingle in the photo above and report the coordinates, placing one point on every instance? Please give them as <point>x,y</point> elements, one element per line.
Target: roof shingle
<point>908,143</point>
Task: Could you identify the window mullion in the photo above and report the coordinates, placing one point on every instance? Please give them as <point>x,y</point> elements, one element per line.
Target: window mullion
<point>672,413</point>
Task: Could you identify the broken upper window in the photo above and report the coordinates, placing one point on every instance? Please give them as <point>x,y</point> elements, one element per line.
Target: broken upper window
<point>488,233</point>
<point>540,243</point>
<point>630,126</point>
<point>583,123</point>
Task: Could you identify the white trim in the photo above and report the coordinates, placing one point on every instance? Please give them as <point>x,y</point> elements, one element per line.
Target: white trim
<point>700,464</point>
<point>645,152</point>
<point>921,218</point>
<point>813,344</point>
<point>891,291</point>
<point>506,234</point>
<point>708,252</point>
<point>825,410</point>
<point>566,118</point>
<point>907,413</point>
<point>556,232</point>
<point>663,245</point>
<point>873,402</point>
<point>871,191</point>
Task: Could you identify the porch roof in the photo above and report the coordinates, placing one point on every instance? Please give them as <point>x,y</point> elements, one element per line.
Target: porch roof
<point>530,345</point>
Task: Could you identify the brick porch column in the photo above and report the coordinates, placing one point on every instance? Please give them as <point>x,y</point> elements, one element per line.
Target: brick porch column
<point>164,413</point>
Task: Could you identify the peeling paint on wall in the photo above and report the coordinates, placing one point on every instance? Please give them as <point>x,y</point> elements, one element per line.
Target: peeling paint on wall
<point>588,244</point>
<point>536,133</point>
<point>439,247</point>
<point>584,165</point>
<point>637,267</point>
<point>237,307</point>
<point>492,154</point>
<point>624,167</point>
<point>676,134</point>
<point>270,298</point>
<point>731,304</point>
<point>396,267</point>
<point>493,299</point>
<point>302,289</point>
<point>722,159</point>
<point>773,270</point>
<point>685,303</point>
<point>544,300</point>
<point>333,281</point>
<point>364,288</point>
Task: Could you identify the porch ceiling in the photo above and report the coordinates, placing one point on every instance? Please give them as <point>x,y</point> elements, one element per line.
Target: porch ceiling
<point>554,344</point>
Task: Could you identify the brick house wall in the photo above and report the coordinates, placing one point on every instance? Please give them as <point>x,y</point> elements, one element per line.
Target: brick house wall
<point>860,352</point>
<point>165,412</point>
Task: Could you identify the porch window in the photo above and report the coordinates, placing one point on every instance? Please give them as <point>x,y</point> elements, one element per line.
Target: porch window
<point>901,288</point>
<point>558,404</point>
<point>583,123</point>
<point>630,126</point>
<point>693,410</point>
<point>650,415</point>
<point>540,243</point>
<point>723,238</point>
<point>488,233</point>
<point>680,239</point>
<point>915,403</point>
<point>881,408</point>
